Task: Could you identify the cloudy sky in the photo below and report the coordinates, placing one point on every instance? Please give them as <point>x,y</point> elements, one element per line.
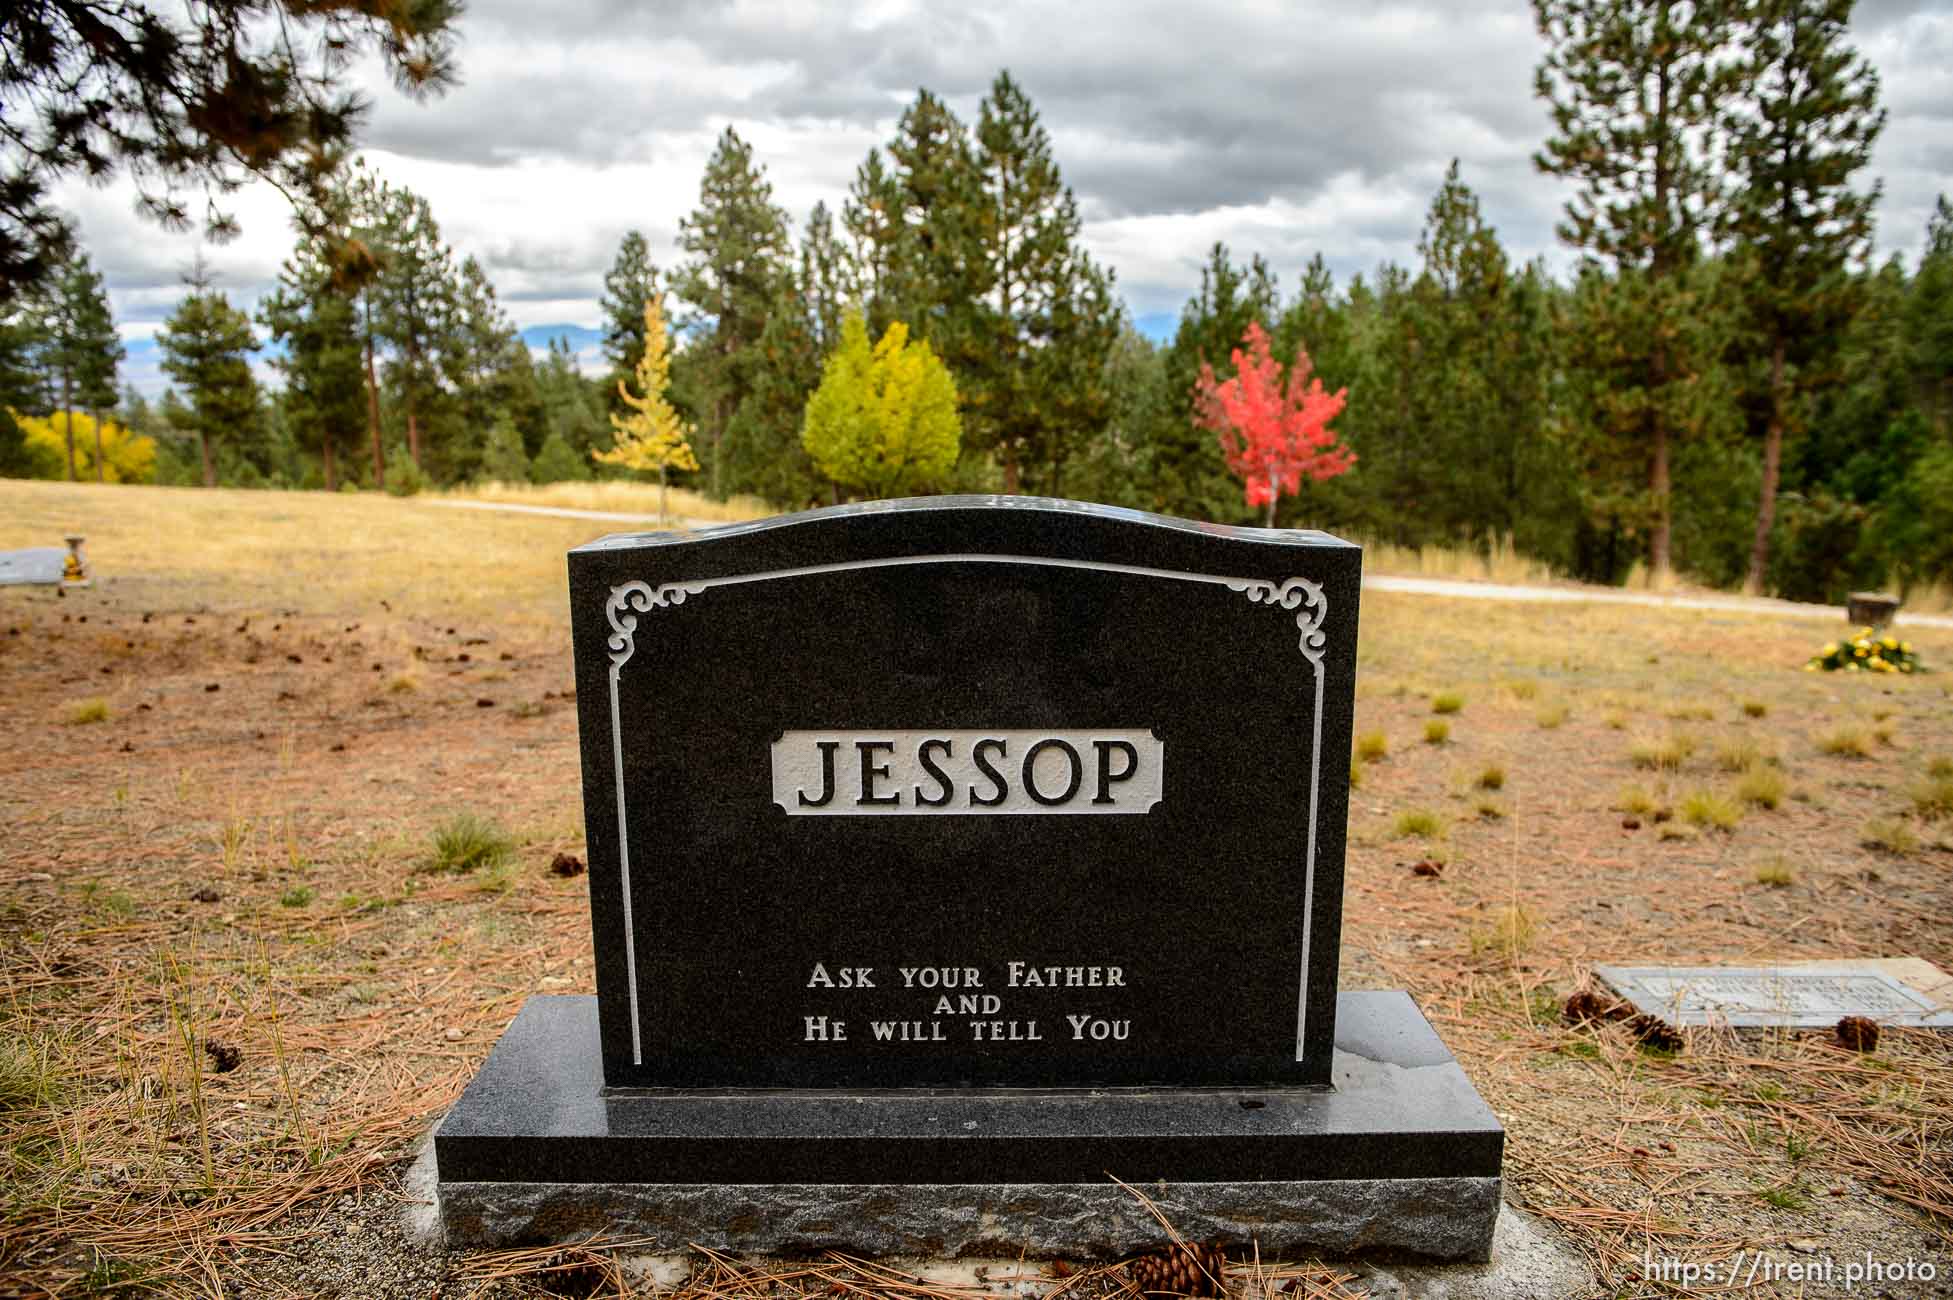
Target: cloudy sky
<point>1280,128</point>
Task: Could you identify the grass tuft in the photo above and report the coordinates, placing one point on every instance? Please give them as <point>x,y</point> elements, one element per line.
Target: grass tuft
<point>1776,873</point>
<point>1437,731</point>
<point>1711,811</point>
<point>1491,777</point>
<point>1511,933</point>
<point>1663,754</point>
<point>1940,767</point>
<point>297,896</point>
<point>1447,702</point>
<point>1372,747</point>
<point>465,842</point>
<point>1755,709</point>
<point>1739,754</point>
<point>31,1074</point>
<point>1488,807</point>
<point>1847,741</point>
<point>1419,822</point>
<point>1762,787</point>
<point>1635,800</point>
<point>1890,835</point>
<point>1523,689</point>
<point>403,683</point>
<point>83,712</point>
<point>1932,798</point>
<point>1552,715</point>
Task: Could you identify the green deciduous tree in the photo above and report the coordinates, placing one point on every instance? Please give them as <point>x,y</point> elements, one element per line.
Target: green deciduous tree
<point>884,419</point>
<point>1805,126</point>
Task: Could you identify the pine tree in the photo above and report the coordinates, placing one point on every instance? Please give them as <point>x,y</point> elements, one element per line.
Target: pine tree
<point>206,345</point>
<point>503,459</point>
<point>79,347</point>
<point>737,244</point>
<point>317,326</point>
<point>938,281</point>
<point>1806,126</point>
<point>192,96</point>
<point>1636,88</point>
<point>826,278</point>
<point>872,217</point>
<point>413,301</point>
<point>630,282</point>
<point>1033,386</point>
<point>652,436</point>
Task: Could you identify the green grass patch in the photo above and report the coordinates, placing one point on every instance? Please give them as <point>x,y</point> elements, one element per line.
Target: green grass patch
<point>1372,747</point>
<point>466,842</point>
<point>297,896</point>
<point>1447,702</point>
<point>1437,731</point>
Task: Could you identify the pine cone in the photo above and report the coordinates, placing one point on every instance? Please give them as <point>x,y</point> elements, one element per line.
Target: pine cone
<point>1176,1271</point>
<point>1858,1034</point>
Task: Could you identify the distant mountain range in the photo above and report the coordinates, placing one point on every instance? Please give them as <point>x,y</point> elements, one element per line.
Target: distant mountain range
<point>142,366</point>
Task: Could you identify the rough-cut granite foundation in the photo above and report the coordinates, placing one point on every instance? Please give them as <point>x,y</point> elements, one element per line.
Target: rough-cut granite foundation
<point>1401,1156</point>
<point>1439,1218</point>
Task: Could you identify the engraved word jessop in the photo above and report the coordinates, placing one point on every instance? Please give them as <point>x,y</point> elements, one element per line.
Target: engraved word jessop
<point>963,773</point>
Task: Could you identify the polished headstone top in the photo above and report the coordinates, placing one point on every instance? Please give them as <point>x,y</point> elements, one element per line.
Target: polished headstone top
<point>966,791</point>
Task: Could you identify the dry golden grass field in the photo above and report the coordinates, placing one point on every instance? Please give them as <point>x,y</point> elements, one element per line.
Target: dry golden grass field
<point>243,978</point>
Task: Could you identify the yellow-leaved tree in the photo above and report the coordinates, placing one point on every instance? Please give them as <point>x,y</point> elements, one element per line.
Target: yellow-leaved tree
<point>126,457</point>
<point>883,420</point>
<point>651,436</point>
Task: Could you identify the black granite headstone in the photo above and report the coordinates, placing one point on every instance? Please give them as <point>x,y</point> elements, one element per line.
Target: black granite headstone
<point>992,836</point>
<point>959,792</point>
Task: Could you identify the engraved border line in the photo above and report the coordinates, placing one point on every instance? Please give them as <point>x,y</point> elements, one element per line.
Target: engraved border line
<point>629,599</point>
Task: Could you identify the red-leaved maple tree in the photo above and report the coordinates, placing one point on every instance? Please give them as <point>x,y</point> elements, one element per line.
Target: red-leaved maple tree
<point>1274,433</point>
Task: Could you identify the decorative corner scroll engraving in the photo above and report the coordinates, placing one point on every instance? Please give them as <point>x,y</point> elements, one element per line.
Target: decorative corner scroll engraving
<point>643,598</point>
<point>1296,593</point>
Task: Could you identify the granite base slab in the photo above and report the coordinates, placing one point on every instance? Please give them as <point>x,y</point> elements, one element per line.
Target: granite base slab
<point>1400,1156</point>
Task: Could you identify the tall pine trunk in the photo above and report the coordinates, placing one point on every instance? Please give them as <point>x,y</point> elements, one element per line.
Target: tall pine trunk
<point>1766,505</point>
<point>1658,484</point>
<point>373,418</point>
<point>209,468</point>
<point>413,433</point>
<point>68,406</point>
<point>100,473</point>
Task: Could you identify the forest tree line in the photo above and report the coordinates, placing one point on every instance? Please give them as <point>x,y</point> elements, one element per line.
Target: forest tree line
<point>1724,384</point>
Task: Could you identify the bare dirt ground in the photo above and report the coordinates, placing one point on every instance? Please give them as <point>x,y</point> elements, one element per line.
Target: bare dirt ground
<point>236,996</point>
